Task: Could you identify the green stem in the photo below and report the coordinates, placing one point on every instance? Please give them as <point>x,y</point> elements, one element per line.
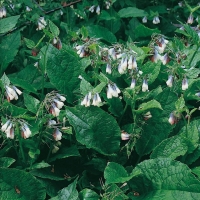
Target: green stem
<point>40,41</point>
<point>120,119</point>
<point>20,144</point>
<point>49,153</point>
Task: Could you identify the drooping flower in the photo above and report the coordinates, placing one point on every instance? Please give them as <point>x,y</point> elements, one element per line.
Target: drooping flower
<point>185,84</point>
<point>147,115</point>
<point>125,135</point>
<point>28,9</point>
<point>190,19</point>
<point>144,85</point>
<point>51,122</point>
<point>165,59</point>
<point>11,92</point>
<point>169,82</point>
<point>10,133</point>
<point>26,132</point>
<point>107,4</point>
<point>98,10</point>
<point>86,101</point>
<point>41,23</point>
<point>144,19</point>
<point>156,20</point>
<point>59,104</point>
<point>112,53</point>
<point>57,135</point>
<point>112,91</point>
<point>61,97</point>
<point>96,99</point>
<point>5,126</point>
<point>156,57</point>
<point>198,94</point>
<point>172,119</point>
<point>91,9</point>
<point>2,12</point>
<point>54,110</point>
<point>133,83</point>
<point>108,69</point>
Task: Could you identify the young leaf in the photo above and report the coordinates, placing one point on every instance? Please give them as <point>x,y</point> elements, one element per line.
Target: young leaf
<point>6,161</point>
<point>88,194</point>
<point>54,29</point>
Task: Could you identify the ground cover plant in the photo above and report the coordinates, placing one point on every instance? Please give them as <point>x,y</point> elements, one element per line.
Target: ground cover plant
<point>99,100</point>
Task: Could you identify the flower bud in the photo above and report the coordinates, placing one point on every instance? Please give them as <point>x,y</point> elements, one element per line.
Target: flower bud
<point>172,119</point>
<point>108,69</point>
<point>133,83</point>
<point>169,82</point>
<point>98,10</point>
<point>156,20</point>
<point>5,126</point>
<point>144,85</point>
<point>125,136</point>
<point>57,135</point>
<point>185,84</point>
<point>144,19</point>
<point>190,19</point>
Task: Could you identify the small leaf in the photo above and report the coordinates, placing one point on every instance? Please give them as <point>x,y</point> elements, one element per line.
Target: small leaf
<point>6,161</point>
<point>29,43</point>
<point>88,194</point>
<point>54,29</point>
<point>31,103</point>
<point>180,104</point>
<point>131,12</point>
<point>85,87</point>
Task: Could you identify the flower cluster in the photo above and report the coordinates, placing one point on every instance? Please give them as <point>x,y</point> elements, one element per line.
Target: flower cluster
<point>170,81</point>
<point>112,91</point>
<point>54,102</point>
<point>9,126</point>
<point>41,23</point>
<point>57,135</point>
<point>92,9</point>
<point>87,100</point>
<point>2,12</point>
<point>12,92</point>
<point>125,63</point>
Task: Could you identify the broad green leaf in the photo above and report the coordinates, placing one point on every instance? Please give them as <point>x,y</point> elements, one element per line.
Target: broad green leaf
<point>8,23</point>
<point>65,153</point>
<point>63,69</point>
<point>152,70</point>
<point>40,165</point>
<point>8,49</point>
<point>115,173</point>
<point>131,12</point>
<point>196,171</point>
<point>5,80</point>
<point>165,179</point>
<point>88,194</point>
<point>102,33</point>
<point>147,106</point>
<point>180,104</point>
<point>31,103</point>
<point>143,31</point>
<point>192,157</point>
<point>85,87</point>
<point>70,192</point>
<point>6,161</point>
<point>99,87</point>
<point>115,106</point>
<point>157,128</point>
<point>171,147</point>
<point>95,128</point>
<point>29,43</point>
<point>54,29</point>
<point>14,184</point>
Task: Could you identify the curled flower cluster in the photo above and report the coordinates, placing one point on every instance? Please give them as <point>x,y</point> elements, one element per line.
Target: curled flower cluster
<point>2,12</point>
<point>87,100</point>
<point>54,102</point>
<point>41,23</point>
<point>12,92</point>
<point>8,128</point>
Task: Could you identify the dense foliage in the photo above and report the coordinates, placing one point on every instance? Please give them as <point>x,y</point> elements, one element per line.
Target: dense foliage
<point>99,100</point>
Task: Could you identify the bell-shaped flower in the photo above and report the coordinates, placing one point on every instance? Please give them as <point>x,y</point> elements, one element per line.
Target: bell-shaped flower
<point>190,19</point>
<point>198,94</point>
<point>144,85</point>
<point>124,63</point>
<point>54,110</point>
<point>19,92</point>
<point>121,69</point>
<point>2,12</point>
<point>57,135</point>
<point>26,132</point>
<point>133,83</point>
<point>61,97</point>
<point>125,135</point>
<point>5,126</point>
<point>132,64</point>
<point>165,59</point>
<point>91,9</point>
<point>107,4</point>
<point>11,93</point>
<point>41,23</point>
<point>108,69</point>
<point>185,84</point>
<point>147,115</point>
<point>144,19</point>
<point>156,20</point>
<point>112,91</point>
<point>96,100</point>
<point>51,122</point>
<point>86,101</point>
<point>156,57</point>
<point>10,133</point>
<point>28,9</point>
<point>98,10</point>
<point>112,53</point>
<point>169,82</point>
<point>59,104</point>
<point>172,119</point>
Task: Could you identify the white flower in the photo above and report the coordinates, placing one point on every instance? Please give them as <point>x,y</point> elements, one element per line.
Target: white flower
<point>144,85</point>
<point>185,84</point>
<point>96,99</point>
<point>190,19</point>
<point>54,110</point>
<point>36,64</point>
<point>5,126</point>
<point>124,63</point>
<point>2,12</point>
<point>169,82</point>
<point>41,23</point>
<point>28,9</point>
<point>60,97</point>
<point>112,53</point>
<point>86,101</point>
<point>19,92</point>
<point>25,131</point>
<point>125,136</point>
<point>172,119</point>
<point>180,4</point>
<point>57,135</point>
<point>108,69</point>
<point>147,115</point>
<point>120,69</point>
<point>156,20</point>
<point>165,59</point>
<point>107,4</point>
<point>11,93</point>
<point>133,82</point>
<point>198,94</point>
<point>144,19</point>
<point>59,104</point>
<point>112,91</point>
<point>156,57</point>
<point>10,133</point>
<point>51,122</point>
<point>98,10</point>
<point>91,9</point>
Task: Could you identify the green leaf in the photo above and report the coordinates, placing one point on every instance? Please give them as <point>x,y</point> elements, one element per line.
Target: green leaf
<point>5,80</point>
<point>192,157</point>
<point>165,179</point>
<point>85,87</point>
<point>40,165</point>
<point>54,29</point>
<point>63,69</point>
<point>147,106</point>
<point>143,31</point>
<point>115,106</point>
<point>152,71</point>
<point>180,104</point>
<point>65,153</point>
<point>8,23</point>
<point>115,173</point>
<point>95,128</point>
<point>14,184</point>
<point>6,161</point>
<point>31,103</point>
<point>70,192</point>
<point>131,12</point>
<point>102,33</point>
<point>88,194</point>
<point>8,49</point>
<point>29,43</point>
<point>99,87</point>
<point>171,147</point>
